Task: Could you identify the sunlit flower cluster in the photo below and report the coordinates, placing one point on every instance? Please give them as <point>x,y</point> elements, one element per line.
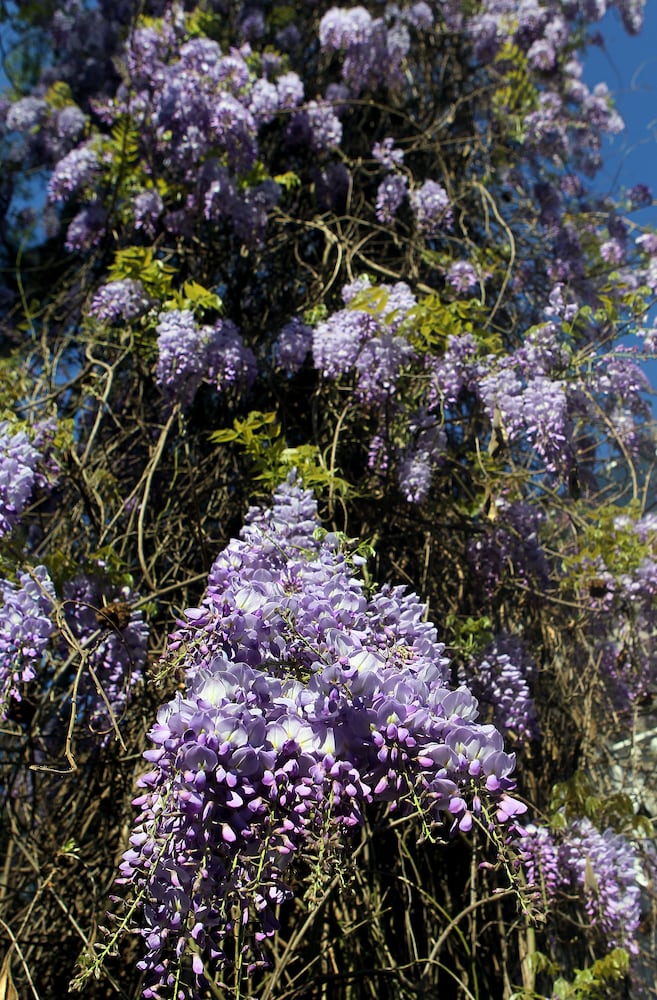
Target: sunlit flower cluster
<point>304,701</point>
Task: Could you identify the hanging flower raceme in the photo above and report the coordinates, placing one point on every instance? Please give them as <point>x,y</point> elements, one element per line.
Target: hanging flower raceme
<point>24,466</point>
<point>26,629</point>
<point>190,354</point>
<point>599,870</point>
<point>304,702</point>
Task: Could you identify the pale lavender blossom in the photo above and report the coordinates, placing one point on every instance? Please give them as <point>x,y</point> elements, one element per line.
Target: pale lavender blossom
<point>603,868</point>
<point>419,15</point>
<point>341,28</point>
<point>181,362</point>
<point>24,466</point>
<point>290,91</point>
<point>612,251</point>
<point>293,345</point>
<point>27,625</point>
<point>325,127</point>
<point>462,276</point>
<point>389,196</point>
<point>69,123</point>
<point>431,208</point>
<point>387,155</point>
<point>26,114</point>
<point>119,300</point>
<point>541,55</point>
<point>418,460</point>
<point>338,340</point>
<point>235,128</point>
<point>190,354</point>
<point>148,208</point>
<point>457,371</point>
<point>77,170</point>
<point>264,101</point>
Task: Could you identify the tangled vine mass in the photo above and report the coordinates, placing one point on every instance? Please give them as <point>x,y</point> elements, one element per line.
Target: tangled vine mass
<point>328,525</point>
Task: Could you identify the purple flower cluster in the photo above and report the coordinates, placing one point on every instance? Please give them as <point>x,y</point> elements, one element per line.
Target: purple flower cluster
<point>199,112</point>
<point>304,702</point>
<point>87,228</point>
<point>428,443</point>
<point>79,169</point>
<point>148,208</point>
<point>115,638</point>
<point>374,346</point>
<point>25,632</point>
<point>23,466</point>
<point>387,155</point>
<point>293,345</point>
<point>431,208</point>
<point>374,49</point>
<point>190,354</point>
<point>317,126</point>
<point>569,119</point>
<point>457,371</point>
<point>600,868</point>
<point>540,861</point>
<point>502,678</point>
<point>119,300</point>
<point>26,114</point>
<point>389,196</point>
<point>533,411</point>
<point>462,276</point>
<point>536,397</point>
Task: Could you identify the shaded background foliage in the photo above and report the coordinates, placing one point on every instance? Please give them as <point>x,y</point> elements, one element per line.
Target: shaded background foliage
<point>479,426</point>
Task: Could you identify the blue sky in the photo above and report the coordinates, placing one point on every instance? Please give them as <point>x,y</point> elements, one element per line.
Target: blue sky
<point>628,65</point>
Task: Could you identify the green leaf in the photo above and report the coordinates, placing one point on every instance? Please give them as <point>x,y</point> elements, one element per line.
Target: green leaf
<point>288,180</point>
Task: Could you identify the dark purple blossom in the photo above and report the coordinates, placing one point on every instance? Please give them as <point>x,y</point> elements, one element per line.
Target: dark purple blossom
<point>640,195</point>
<point>502,679</point>
<point>540,860</point>
<point>511,544</point>
<point>87,228</point>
